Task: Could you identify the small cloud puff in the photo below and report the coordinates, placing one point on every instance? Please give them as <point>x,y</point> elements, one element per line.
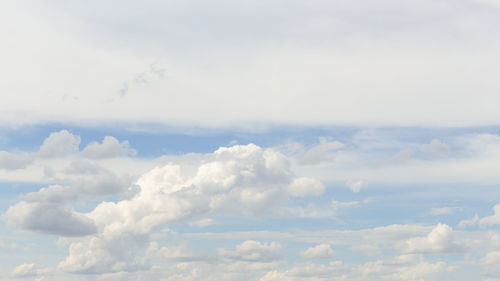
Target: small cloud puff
<point>109,147</point>
<point>322,251</point>
<point>60,144</point>
<point>320,152</point>
<point>435,147</point>
<point>441,239</point>
<point>355,185</point>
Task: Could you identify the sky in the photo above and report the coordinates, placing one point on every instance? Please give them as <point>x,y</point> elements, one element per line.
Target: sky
<point>249,140</point>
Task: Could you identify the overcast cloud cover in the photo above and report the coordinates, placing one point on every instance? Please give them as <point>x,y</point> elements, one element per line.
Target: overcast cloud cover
<point>249,140</point>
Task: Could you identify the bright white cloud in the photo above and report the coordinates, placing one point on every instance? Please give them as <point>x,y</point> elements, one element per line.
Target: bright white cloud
<point>440,240</point>
<point>84,69</point>
<point>238,179</point>
<point>306,186</point>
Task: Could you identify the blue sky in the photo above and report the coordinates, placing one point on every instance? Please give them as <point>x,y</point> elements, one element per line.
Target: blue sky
<point>245,140</point>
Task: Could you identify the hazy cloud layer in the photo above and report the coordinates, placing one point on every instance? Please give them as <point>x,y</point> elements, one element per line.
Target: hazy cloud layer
<point>323,63</point>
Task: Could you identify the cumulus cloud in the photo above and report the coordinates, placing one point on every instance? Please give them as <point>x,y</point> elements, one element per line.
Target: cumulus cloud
<point>109,147</point>
<point>60,144</point>
<point>49,217</point>
<point>322,251</point>
<point>440,240</point>
<point>50,210</point>
<point>239,179</point>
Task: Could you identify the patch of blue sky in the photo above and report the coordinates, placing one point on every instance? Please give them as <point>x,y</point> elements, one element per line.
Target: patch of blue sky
<point>163,140</point>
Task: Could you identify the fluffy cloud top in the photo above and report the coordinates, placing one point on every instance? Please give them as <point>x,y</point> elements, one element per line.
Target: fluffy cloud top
<point>440,240</point>
<point>60,144</point>
<point>235,180</point>
<point>110,147</point>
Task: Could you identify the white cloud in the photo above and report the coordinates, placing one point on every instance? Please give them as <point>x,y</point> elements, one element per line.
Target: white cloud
<point>355,185</point>
<point>109,148</point>
<point>308,271</point>
<point>60,144</point>
<point>24,270</point>
<point>28,270</point>
<point>235,180</point>
<point>379,238</point>
<point>306,186</point>
<point>12,161</point>
<point>402,156</point>
<point>253,251</point>
<point>491,258</point>
<point>406,267</point>
<point>321,251</point>
<point>202,223</point>
<point>49,217</point>
<point>474,162</point>
<point>343,204</point>
<point>321,152</point>
<point>179,253</point>
<point>493,219</point>
<point>334,44</point>
<point>469,223</point>
<point>435,147</point>
<point>440,240</point>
